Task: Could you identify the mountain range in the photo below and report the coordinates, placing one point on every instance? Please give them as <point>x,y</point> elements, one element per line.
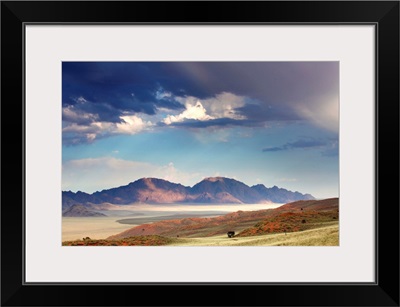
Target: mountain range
<point>212,190</point>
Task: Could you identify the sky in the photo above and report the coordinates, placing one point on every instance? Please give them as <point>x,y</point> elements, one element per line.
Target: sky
<point>271,123</point>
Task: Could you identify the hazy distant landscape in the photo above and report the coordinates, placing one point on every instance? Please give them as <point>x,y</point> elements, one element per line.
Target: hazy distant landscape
<point>90,215</point>
<point>124,217</point>
<point>209,228</point>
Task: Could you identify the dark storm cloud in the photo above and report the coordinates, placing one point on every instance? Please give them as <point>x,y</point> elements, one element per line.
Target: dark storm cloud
<point>282,90</point>
<point>131,86</point>
<point>328,147</point>
<point>116,87</point>
<point>270,82</point>
<point>219,122</point>
<point>298,144</point>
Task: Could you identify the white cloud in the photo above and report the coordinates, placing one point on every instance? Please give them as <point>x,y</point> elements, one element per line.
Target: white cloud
<point>86,127</point>
<point>223,105</point>
<point>95,174</point>
<point>193,111</point>
<point>131,124</point>
<point>70,113</point>
<point>78,128</point>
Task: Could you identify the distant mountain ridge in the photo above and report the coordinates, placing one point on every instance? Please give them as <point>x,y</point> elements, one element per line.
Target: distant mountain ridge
<point>79,210</point>
<point>210,190</point>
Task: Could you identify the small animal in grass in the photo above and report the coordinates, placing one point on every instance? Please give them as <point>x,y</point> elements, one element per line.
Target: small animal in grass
<point>230,234</point>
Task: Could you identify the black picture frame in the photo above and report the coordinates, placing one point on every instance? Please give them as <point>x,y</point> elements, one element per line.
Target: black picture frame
<point>383,14</point>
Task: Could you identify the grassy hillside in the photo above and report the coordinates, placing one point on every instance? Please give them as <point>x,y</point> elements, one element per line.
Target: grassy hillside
<point>288,217</point>
<point>292,222</point>
<point>324,236</point>
<point>132,241</point>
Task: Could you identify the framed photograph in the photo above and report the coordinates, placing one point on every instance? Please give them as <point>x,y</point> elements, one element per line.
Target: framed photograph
<point>240,146</point>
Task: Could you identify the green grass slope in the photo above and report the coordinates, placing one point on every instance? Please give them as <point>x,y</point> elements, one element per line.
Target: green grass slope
<point>323,236</point>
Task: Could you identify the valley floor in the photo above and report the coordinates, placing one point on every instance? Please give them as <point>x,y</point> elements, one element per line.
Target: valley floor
<point>300,223</point>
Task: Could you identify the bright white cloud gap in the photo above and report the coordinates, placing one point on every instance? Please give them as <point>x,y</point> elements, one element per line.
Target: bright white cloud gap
<point>197,112</point>
<point>87,127</point>
<point>223,105</point>
<point>131,124</point>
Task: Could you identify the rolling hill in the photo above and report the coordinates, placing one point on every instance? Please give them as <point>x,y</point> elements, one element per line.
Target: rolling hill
<point>288,218</point>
